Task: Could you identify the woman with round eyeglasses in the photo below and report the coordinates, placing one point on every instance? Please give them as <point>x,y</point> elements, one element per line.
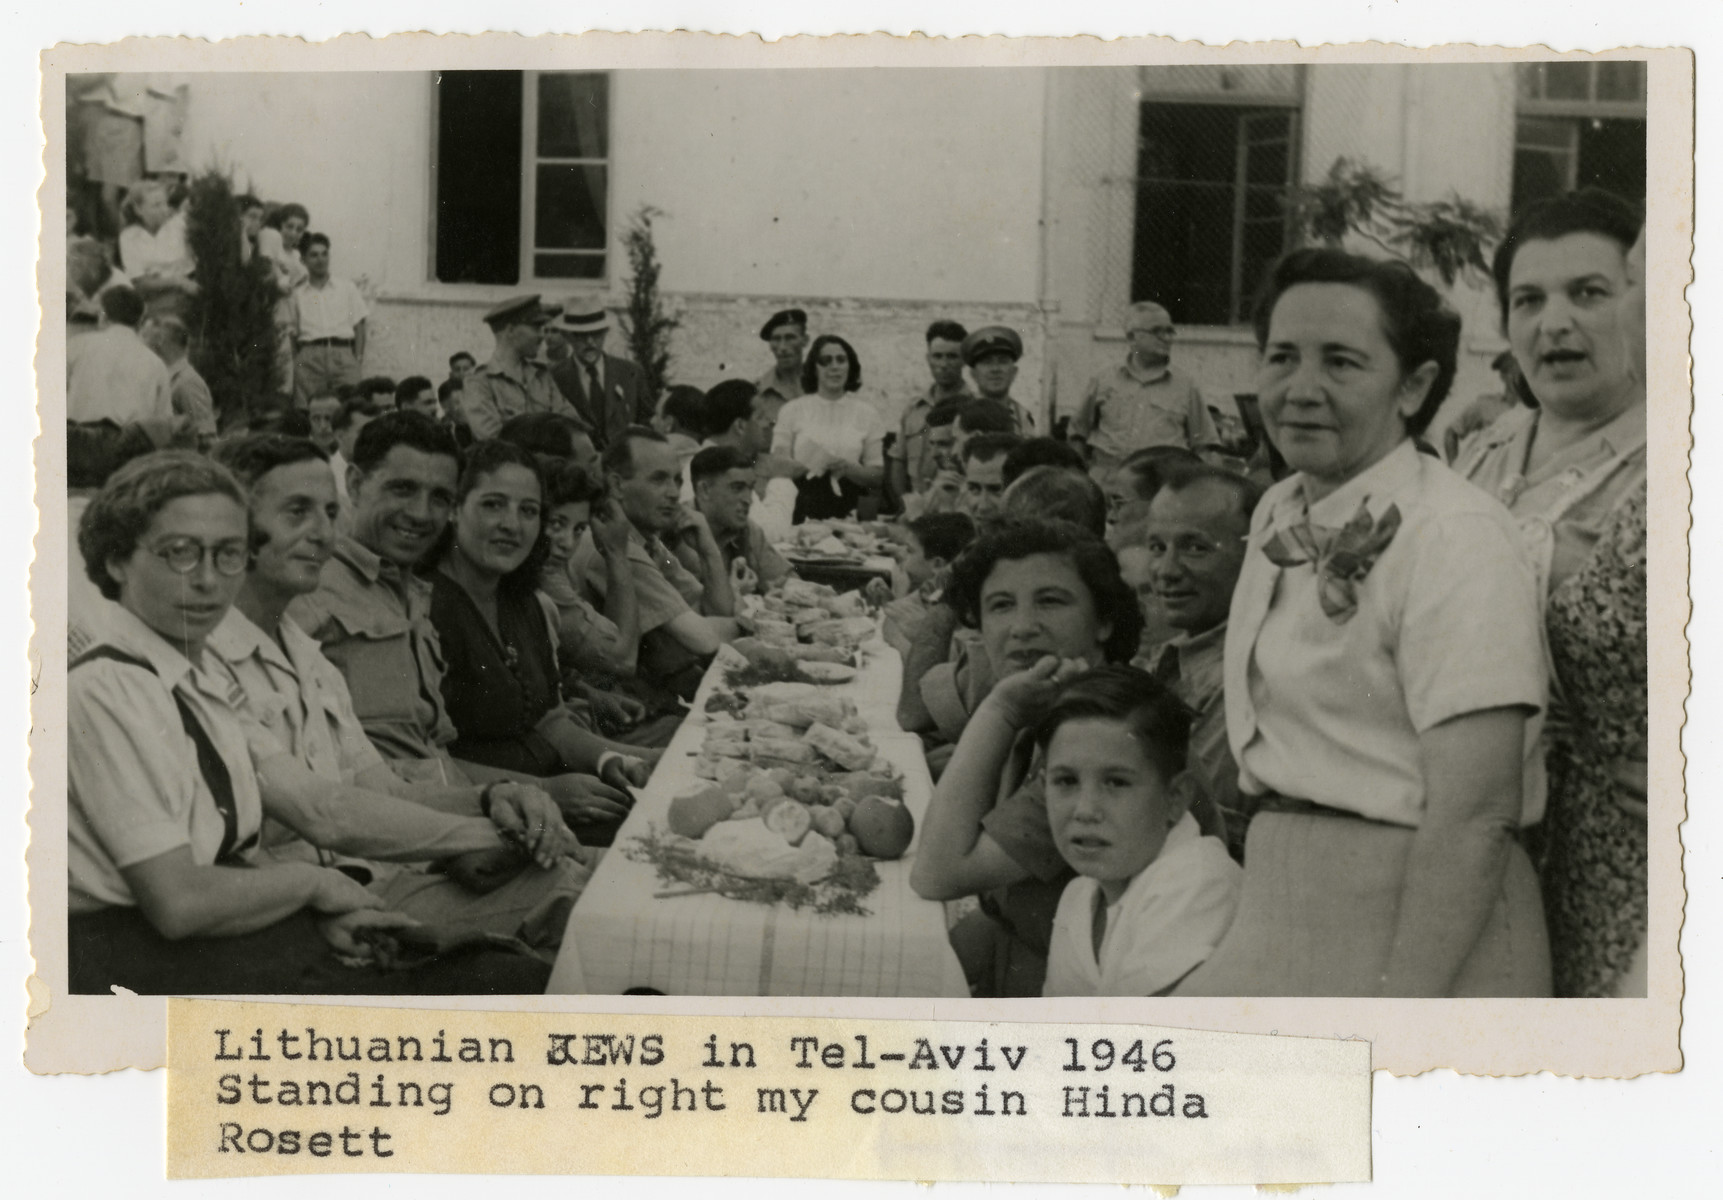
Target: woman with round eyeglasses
<point>836,437</point>
<point>1569,277</point>
<point>1383,668</point>
<point>168,782</point>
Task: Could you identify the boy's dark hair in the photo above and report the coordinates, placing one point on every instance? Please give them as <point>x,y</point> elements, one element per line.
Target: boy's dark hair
<point>727,403</point>
<point>1012,539</point>
<point>1041,452</point>
<point>1058,494</point>
<point>409,388</point>
<point>987,416</point>
<point>715,460</point>
<point>943,535</point>
<point>989,446</point>
<point>947,331</point>
<point>458,355</point>
<point>411,428</point>
<point>255,455</point>
<point>1119,693</point>
<point>315,239</point>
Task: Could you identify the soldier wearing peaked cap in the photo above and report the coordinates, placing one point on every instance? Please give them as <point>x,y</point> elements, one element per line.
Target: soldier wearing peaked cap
<point>787,334</point>
<point>991,354</point>
<point>513,381</point>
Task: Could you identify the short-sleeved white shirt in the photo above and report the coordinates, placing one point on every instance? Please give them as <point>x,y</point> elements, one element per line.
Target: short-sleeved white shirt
<point>330,311</point>
<point>134,789</point>
<point>848,427</point>
<point>1169,921</point>
<point>1448,623</point>
<point>142,252</point>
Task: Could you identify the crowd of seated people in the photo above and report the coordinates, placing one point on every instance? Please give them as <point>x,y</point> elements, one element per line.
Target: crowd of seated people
<point>363,680</point>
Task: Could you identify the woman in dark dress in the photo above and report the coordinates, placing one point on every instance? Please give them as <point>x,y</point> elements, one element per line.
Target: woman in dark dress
<point>497,632</point>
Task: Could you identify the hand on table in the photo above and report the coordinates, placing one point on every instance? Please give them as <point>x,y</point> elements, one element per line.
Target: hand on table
<point>585,799</point>
<point>612,710</point>
<point>743,581</point>
<point>528,817</point>
<point>337,892</point>
<point>340,932</point>
<point>1023,697</point>
<point>624,771</point>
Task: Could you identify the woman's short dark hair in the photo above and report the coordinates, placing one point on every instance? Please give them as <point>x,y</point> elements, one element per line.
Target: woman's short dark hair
<point>571,484</point>
<point>1121,693</point>
<point>1010,539</point>
<point>483,459</point>
<point>122,511</point>
<point>1589,210</point>
<point>283,212</point>
<point>811,367</point>
<point>1419,326</point>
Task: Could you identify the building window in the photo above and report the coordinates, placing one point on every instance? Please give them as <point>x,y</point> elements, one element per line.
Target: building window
<point>1217,148</point>
<point>523,176</point>
<point>1580,124</point>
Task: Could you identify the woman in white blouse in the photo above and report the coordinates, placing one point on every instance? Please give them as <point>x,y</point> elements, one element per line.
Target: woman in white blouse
<point>1385,675</point>
<point>837,437</point>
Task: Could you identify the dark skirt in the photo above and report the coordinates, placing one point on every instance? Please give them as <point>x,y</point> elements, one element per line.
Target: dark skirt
<point>1321,905</point>
<point>815,500</point>
<point>289,958</point>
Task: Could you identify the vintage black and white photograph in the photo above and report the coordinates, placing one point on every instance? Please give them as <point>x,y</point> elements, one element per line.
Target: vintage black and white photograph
<point>1140,530</point>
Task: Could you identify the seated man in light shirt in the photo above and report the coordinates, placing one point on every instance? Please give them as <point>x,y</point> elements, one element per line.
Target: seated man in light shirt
<point>295,692</point>
<point>738,414</point>
<point>683,619</point>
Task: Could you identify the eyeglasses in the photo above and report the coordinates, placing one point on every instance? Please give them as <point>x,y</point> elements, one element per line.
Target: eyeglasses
<point>827,360</point>
<point>184,555</point>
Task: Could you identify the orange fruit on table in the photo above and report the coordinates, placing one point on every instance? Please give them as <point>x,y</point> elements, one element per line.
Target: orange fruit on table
<point>789,818</point>
<point>883,828</point>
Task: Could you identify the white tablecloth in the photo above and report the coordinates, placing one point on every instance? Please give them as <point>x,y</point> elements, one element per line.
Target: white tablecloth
<point>620,936</point>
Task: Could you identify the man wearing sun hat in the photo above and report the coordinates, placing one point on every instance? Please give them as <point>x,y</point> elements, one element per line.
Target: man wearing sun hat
<point>1143,401</point>
<point>513,381</point>
<point>608,392</point>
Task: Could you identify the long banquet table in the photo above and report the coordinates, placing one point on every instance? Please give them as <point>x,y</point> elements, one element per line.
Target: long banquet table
<point>621,935</point>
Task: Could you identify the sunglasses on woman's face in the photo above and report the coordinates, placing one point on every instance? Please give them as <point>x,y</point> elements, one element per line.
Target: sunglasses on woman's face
<point>828,360</point>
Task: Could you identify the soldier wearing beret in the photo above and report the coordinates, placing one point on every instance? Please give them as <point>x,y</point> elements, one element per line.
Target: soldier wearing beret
<point>787,334</point>
<point>513,381</point>
<point>991,354</point>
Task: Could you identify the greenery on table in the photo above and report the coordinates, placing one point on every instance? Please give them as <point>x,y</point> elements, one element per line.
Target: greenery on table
<point>680,865</point>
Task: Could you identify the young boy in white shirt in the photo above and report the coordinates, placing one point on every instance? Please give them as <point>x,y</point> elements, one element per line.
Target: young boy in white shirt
<point>1153,895</point>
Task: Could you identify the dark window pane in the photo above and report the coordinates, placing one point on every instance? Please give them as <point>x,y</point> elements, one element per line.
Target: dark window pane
<point>573,116</point>
<point>1567,80</point>
<point>1621,81</point>
<point>569,211</point>
<point>568,266</point>
<point>1612,157</point>
<point>478,173</point>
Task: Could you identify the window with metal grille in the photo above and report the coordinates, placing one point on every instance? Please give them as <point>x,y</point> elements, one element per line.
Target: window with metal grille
<point>522,176</point>
<point>1579,124</point>
<point>1217,148</point>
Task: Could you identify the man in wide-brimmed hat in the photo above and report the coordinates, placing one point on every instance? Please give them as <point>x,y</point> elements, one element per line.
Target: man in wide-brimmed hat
<point>513,381</point>
<point>609,393</point>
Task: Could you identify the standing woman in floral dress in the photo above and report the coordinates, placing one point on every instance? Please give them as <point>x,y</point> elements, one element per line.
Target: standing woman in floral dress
<point>1569,275</point>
